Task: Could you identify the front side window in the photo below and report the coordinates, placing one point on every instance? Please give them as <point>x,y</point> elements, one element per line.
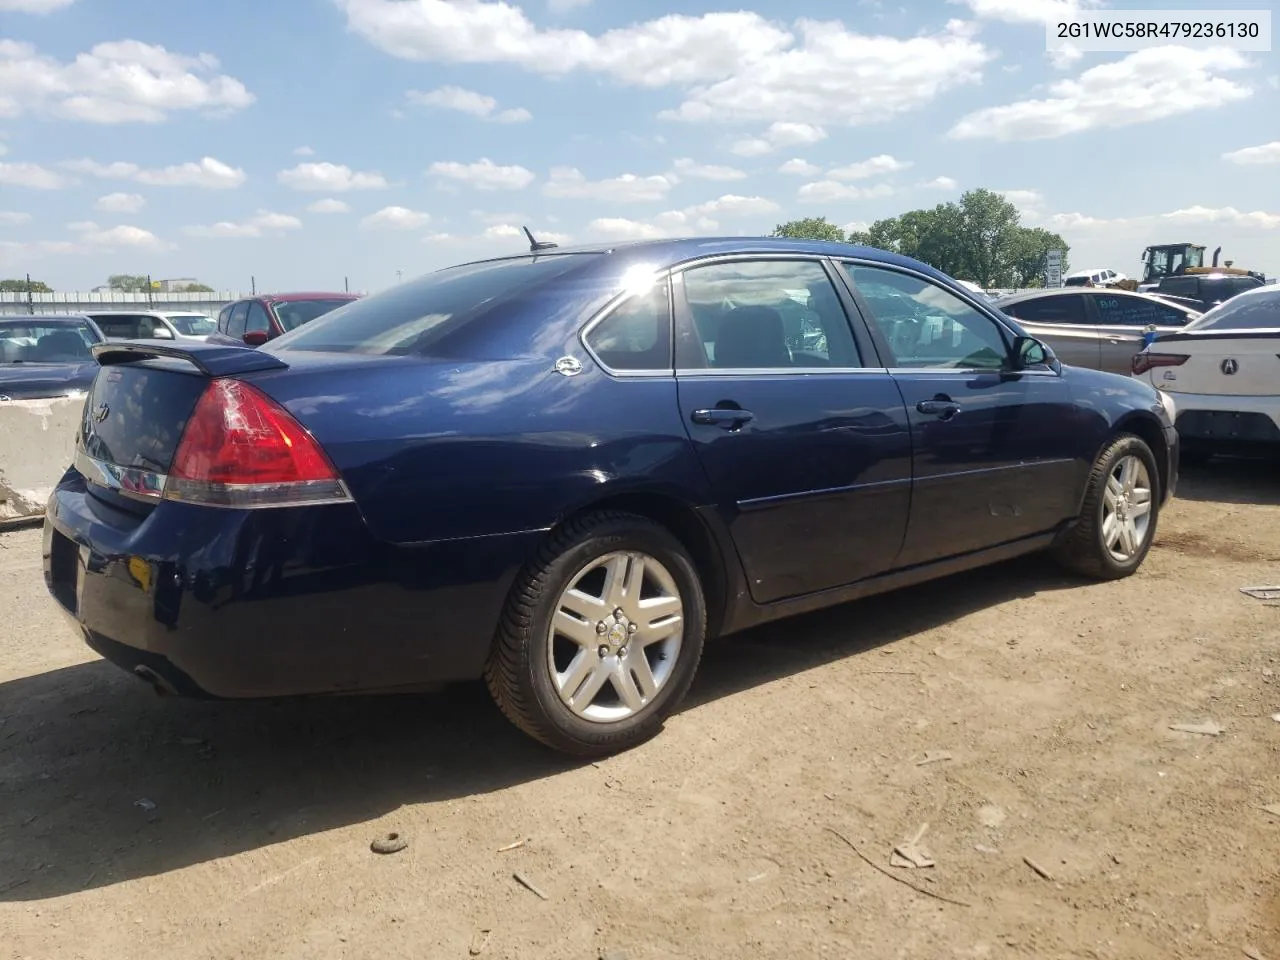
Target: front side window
<point>768,314</point>
<point>294,313</point>
<point>1116,311</point>
<point>1181,286</point>
<point>123,326</point>
<point>637,334</point>
<point>235,325</point>
<point>257,321</point>
<point>927,326</point>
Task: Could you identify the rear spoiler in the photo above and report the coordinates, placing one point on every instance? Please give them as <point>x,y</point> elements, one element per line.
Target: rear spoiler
<point>211,359</point>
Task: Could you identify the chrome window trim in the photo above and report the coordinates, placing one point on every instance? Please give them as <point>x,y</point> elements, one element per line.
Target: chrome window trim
<point>778,371</point>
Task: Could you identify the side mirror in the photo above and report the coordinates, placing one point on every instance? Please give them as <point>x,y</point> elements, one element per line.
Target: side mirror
<point>256,338</point>
<point>1030,352</point>
<point>161,333</point>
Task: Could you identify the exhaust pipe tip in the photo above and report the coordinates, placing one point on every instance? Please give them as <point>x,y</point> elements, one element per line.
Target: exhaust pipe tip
<point>159,684</point>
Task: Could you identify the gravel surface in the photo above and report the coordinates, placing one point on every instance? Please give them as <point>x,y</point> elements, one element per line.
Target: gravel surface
<point>1025,718</point>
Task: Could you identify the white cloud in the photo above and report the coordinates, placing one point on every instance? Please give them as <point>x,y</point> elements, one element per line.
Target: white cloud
<point>303,152</point>
<point>826,191</point>
<point>1228,216</point>
<point>328,206</point>
<point>941,183</point>
<point>685,167</point>
<point>1147,85</point>
<point>396,218</point>
<point>798,167</point>
<point>499,230</point>
<point>692,220</point>
<point>120,203</point>
<point>1027,11</point>
<point>33,6</point>
<point>783,133</point>
<point>873,167</point>
<point>732,205</point>
<point>568,182</point>
<point>262,223</point>
<point>14,218</point>
<point>1023,199</point>
<point>123,81</point>
<point>1265,154</point>
<point>32,176</point>
<point>734,66</point>
<point>855,226</point>
<point>92,235</point>
<point>330,178</point>
<point>3,150</point>
<point>1065,56</point>
<point>559,6</point>
<point>484,174</point>
<point>468,101</point>
<point>207,173</point>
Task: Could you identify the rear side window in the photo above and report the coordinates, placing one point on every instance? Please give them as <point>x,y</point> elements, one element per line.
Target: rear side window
<point>412,317</point>
<point>1066,310</point>
<point>1181,286</point>
<point>294,313</point>
<point>1253,311</point>
<point>1237,285</point>
<point>636,335</point>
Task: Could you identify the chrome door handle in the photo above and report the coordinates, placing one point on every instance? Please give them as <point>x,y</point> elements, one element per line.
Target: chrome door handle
<point>940,407</point>
<point>726,418</point>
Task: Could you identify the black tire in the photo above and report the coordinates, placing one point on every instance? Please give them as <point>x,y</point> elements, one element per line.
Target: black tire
<point>517,674</point>
<point>1082,550</point>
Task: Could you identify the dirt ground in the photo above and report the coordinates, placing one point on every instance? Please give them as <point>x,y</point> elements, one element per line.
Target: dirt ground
<point>132,826</point>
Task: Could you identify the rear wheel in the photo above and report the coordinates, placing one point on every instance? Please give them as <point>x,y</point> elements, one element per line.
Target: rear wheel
<point>1121,508</point>
<point>601,636</point>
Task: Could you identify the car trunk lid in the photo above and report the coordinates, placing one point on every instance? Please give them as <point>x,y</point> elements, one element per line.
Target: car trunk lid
<point>1237,364</point>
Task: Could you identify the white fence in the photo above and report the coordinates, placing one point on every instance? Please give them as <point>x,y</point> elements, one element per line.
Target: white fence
<point>77,302</point>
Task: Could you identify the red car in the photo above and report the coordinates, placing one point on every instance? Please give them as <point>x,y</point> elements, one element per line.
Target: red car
<point>258,319</point>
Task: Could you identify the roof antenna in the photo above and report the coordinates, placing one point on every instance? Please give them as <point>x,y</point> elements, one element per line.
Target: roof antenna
<point>534,245</point>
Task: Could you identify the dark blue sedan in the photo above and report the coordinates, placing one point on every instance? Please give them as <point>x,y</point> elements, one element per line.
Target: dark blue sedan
<point>565,471</point>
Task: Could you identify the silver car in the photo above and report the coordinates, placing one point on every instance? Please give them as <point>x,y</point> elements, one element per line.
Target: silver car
<point>1096,328</point>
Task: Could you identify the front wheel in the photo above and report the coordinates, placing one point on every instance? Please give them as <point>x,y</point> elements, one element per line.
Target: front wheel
<point>1121,507</point>
<point>601,636</point>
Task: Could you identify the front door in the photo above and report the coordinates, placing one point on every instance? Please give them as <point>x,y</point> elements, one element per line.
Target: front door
<point>993,454</point>
<point>800,430</point>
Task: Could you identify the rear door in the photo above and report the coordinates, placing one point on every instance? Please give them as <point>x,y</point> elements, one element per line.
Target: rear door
<point>1123,322</point>
<point>994,459</point>
<point>1061,321</point>
<point>798,425</point>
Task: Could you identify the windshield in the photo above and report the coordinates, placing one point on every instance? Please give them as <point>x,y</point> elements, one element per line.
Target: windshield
<point>31,341</point>
<point>294,313</point>
<point>1248,311</point>
<point>192,324</point>
<point>406,318</point>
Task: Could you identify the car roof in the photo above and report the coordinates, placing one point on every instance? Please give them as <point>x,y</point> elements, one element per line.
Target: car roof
<point>312,295</point>
<point>1070,291</point>
<point>43,317</point>
<point>671,251</point>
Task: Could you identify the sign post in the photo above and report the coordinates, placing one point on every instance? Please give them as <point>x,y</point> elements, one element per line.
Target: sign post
<point>1053,269</point>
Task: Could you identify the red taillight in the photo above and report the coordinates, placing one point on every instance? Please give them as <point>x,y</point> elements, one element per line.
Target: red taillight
<point>1142,362</point>
<point>242,449</point>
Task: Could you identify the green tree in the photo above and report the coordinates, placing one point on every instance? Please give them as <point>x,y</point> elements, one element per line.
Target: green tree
<point>128,282</point>
<point>810,228</point>
<point>20,286</point>
<point>197,288</point>
<point>980,238</point>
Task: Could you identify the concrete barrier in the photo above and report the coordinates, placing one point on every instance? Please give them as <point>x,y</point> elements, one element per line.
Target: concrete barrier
<point>37,444</point>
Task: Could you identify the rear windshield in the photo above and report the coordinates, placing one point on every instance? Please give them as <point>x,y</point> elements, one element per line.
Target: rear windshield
<point>294,313</point>
<point>1248,311</point>
<point>407,318</point>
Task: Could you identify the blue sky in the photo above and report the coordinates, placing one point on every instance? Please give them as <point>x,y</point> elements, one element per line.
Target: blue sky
<point>304,141</point>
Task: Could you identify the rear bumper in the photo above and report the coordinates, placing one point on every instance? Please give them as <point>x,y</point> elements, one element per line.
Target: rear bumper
<point>268,603</point>
<point>1228,423</point>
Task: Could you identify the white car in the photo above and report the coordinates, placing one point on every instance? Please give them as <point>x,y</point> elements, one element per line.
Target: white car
<point>1222,373</point>
<point>1094,277</point>
<point>154,325</point>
